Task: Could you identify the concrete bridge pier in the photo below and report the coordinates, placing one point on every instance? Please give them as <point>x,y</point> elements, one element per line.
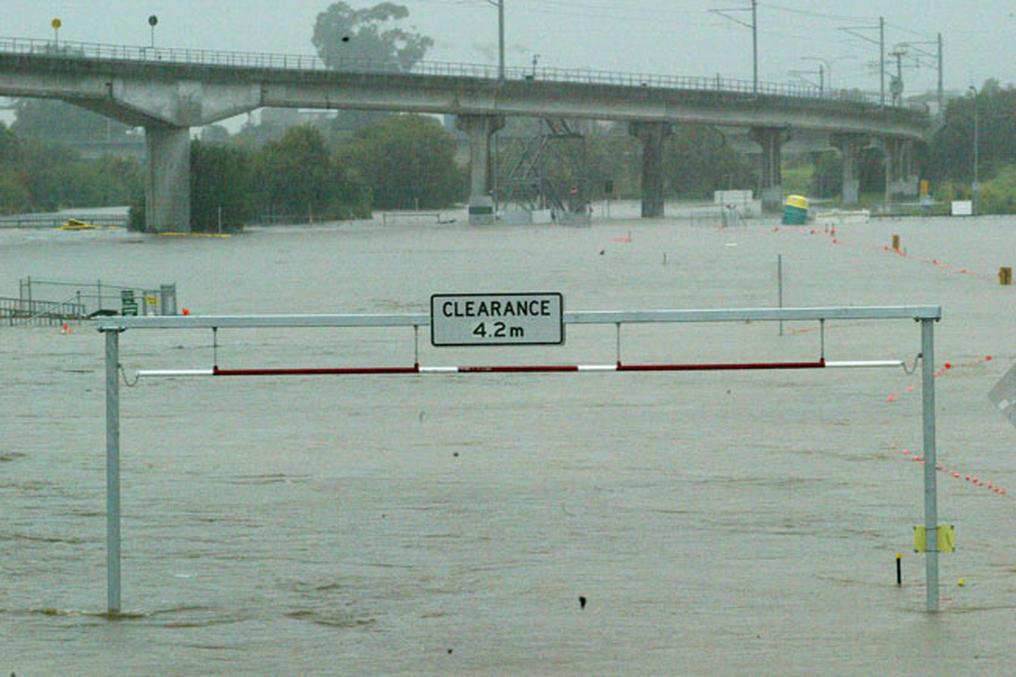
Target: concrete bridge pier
<point>901,178</point>
<point>906,181</point>
<point>651,134</point>
<point>479,129</point>
<point>850,146</point>
<point>770,169</point>
<point>167,182</point>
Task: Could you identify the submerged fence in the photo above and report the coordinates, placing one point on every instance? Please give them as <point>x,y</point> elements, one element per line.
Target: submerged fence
<point>26,312</point>
<point>82,300</point>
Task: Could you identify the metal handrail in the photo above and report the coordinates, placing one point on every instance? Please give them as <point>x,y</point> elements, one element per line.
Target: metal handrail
<point>304,62</point>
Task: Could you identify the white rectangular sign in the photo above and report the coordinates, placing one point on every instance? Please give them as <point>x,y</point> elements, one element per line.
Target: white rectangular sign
<point>496,319</point>
<point>962,208</point>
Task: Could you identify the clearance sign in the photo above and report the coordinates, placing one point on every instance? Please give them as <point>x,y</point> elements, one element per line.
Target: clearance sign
<point>496,319</point>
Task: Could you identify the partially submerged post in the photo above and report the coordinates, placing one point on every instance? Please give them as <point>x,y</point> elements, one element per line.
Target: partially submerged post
<point>112,470</point>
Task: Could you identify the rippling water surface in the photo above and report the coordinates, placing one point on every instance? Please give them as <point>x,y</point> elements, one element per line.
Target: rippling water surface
<point>716,523</point>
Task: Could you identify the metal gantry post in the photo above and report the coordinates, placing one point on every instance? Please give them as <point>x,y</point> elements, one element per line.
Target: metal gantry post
<point>926,315</point>
<point>930,477</point>
<point>112,471</point>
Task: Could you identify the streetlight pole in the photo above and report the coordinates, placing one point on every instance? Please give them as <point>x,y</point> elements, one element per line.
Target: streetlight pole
<point>975,188</point>
<point>821,78</point>
<point>828,63</point>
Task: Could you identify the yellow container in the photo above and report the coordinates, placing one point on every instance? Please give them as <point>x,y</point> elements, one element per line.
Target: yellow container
<point>795,210</point>
<point>798,201</point>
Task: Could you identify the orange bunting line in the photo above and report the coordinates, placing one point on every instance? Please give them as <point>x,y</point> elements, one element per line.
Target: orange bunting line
<point>994,488</point>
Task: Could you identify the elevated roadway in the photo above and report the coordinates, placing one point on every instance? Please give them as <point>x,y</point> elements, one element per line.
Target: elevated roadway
<point>168,91</point>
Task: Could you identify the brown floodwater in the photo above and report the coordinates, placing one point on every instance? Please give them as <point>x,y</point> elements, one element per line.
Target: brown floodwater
<point>714,523</point>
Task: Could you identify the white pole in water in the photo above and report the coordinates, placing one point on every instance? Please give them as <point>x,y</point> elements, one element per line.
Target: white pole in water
<point>779,282</point>
<point>112,471</point>
<point>930,487</point>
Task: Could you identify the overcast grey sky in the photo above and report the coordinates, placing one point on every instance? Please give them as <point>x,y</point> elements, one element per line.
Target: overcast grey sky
<point>659,36</point>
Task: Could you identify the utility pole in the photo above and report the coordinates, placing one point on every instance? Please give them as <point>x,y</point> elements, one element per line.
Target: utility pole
<point>855,31</point>
<point>941,93</point>
<point>923,55</point>
<point>896,87</point>
<point>500,37</point>
<point>500,40</point>
<point>881,61</point>
<point>754,46</point>
<point>725,13</point>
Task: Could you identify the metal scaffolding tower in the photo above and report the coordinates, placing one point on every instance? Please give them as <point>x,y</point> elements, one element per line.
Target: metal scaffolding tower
<point>547,171</point>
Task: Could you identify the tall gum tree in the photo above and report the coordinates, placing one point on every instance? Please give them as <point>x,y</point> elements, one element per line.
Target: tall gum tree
<point>370,37</point>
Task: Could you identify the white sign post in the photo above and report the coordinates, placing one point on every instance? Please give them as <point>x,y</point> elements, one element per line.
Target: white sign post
<point>496,319</point>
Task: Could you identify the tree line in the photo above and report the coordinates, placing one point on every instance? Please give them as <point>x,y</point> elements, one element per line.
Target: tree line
<point>38,175</point>
<point>306,174</point>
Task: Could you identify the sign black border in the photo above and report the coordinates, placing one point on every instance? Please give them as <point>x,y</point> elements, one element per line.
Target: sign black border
<point>559,295</point>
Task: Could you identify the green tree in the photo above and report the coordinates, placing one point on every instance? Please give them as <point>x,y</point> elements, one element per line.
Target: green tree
<point>220,178</point>
<point>952,150</point>
<point>871,170</point>
<point>214,134</point>
<point>698,161</point>
<point>408,161</point>
<point>221,186</point>
<point>369,37</point>
<point>10,147</point>
<point>614,156</point>
<point>56,121</point>
<point>827,181</point>
<point>297,176</point>
<point>14,195</point>
<point>51,175</point>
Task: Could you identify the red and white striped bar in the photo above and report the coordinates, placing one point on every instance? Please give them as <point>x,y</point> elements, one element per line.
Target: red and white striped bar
<point>518,368</point>
<point>511,369</point>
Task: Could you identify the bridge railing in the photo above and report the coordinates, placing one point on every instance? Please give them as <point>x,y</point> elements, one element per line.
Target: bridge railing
<point>304,62</point>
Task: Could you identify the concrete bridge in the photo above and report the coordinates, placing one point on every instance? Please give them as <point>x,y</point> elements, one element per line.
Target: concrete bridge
<point>168,91</point>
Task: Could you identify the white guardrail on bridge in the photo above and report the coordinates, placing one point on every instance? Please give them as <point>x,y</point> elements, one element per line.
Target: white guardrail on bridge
<point>304,62</point>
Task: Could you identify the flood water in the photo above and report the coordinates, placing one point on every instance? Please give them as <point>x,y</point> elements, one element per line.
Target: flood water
<point>717,523</point>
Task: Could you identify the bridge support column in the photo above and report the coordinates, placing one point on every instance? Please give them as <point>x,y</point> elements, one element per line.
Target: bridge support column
<point>651,134</point>
<point>167,183</point>
<point>900,168</point>
<point>770,169</point>
<point>479,129</point>
<point>907,176</point>
<point>850,146</point>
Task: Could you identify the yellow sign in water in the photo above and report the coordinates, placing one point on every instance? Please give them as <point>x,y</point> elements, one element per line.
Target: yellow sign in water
<point>946,538</point>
